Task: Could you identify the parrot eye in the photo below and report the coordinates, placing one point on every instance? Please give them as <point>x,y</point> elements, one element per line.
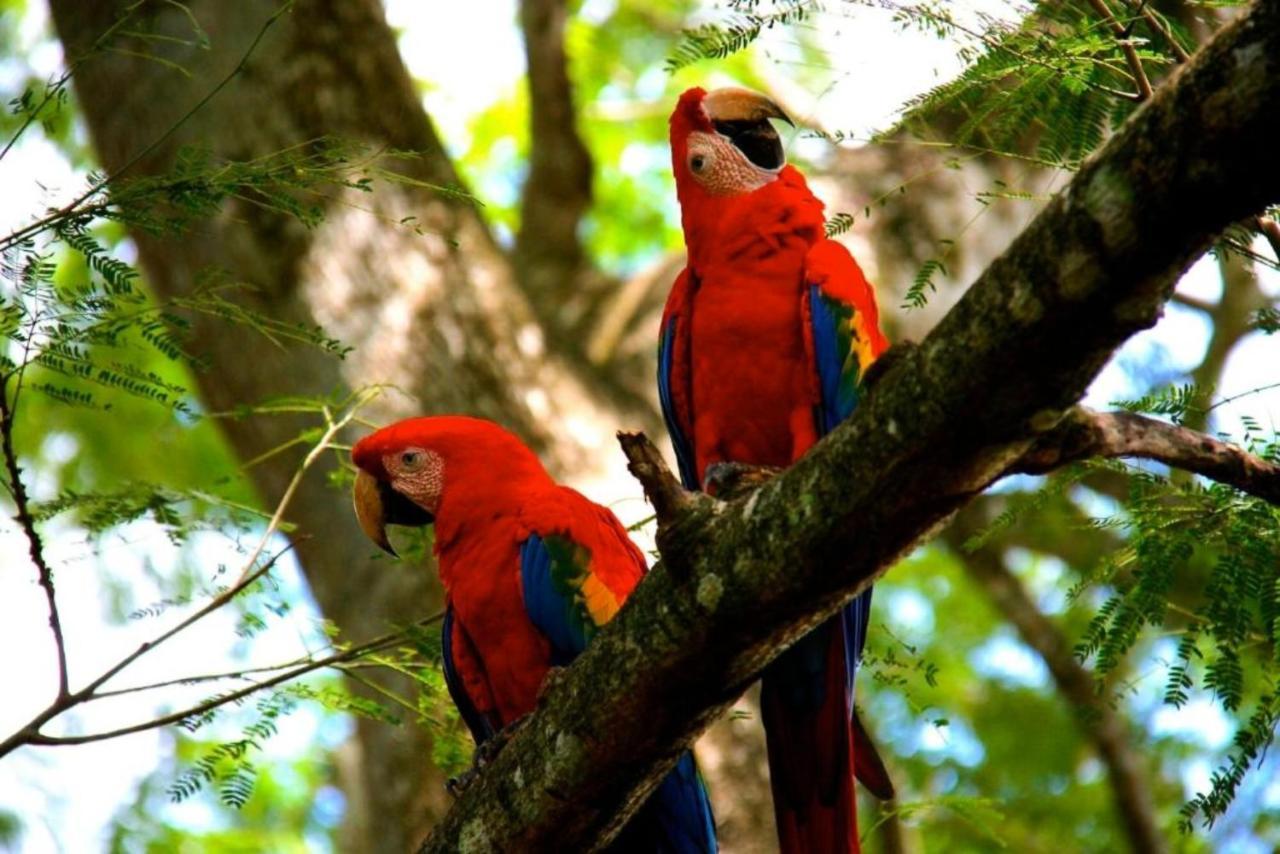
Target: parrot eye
<point>411,459</point>
<point>697,163</point>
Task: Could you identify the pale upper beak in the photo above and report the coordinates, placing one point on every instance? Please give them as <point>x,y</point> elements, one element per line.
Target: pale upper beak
<point>735,104</point>
<point>378,505</point>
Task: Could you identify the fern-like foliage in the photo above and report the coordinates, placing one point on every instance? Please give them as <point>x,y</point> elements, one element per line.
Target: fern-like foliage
<point>1176,402</point>
<point>1229,629</point>
<point>736,33</point>
<point>838,224</point>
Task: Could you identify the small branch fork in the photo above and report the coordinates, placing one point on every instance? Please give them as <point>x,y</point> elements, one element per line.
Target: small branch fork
<point>661,487</point>
<point>254,569</point>
<point>1081,434</point>
<point>1084,433</point>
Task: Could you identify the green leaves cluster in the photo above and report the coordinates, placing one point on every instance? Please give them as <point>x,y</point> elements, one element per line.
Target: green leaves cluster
<point>1199,561</point>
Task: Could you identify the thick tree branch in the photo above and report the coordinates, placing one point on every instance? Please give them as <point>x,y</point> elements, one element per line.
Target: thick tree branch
<point>549,257</point>
<point>1084,433</point>
<point>945,421</point>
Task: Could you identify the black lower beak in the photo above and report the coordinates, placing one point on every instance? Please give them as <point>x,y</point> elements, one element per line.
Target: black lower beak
<point>378,505</point>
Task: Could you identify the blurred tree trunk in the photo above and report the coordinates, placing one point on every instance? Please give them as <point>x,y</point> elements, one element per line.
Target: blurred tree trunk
<point>438,314</point>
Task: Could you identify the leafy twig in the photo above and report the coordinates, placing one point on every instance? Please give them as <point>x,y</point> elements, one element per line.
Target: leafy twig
<point>1126,46</point>
<point>73,207</point>
<point>30,733</point>
<point>378,643</point>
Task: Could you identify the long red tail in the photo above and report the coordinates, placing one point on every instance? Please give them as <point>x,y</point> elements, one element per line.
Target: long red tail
<point>816,742</point>
<point>810,740</point>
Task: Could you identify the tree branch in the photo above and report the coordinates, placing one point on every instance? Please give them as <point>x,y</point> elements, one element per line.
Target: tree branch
<point>549,257</point>
<point>1126,45</point>
<point>388,640</point>
<point>942,424</point>
<point>1084,433</point>
<point>35,548</point>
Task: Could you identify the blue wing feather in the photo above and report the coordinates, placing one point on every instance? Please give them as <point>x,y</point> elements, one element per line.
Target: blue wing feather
<point>550,600</point>
<point>677,817</point>
<point>836,364</point>
<point>838,375</point>
<point>681,443</point>
<point>481,727</point>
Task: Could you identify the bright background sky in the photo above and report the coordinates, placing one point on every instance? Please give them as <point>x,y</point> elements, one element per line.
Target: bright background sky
<point>69,795</point>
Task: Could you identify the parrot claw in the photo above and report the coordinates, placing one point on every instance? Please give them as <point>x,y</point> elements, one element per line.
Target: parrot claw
<point>455,786</point>
<point>728,480</point>
<point>492,746</point>
<point>486,752</point>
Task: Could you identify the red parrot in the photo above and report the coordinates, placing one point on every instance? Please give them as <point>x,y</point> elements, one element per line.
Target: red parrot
<point>764,341</point>
<point>531,570</point>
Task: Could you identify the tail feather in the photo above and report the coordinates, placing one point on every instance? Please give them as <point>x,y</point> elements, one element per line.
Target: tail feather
<point>868,767</point>
<point>675,820</point>
<point>804,703</point>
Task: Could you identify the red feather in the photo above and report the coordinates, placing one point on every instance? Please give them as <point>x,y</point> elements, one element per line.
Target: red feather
<point>743,386</point>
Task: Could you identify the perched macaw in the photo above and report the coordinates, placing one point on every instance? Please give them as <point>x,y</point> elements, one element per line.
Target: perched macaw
<point>765,339</point>
<point>531,570</point>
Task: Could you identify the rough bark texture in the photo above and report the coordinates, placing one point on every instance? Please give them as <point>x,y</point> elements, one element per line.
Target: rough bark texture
<point>941,424</point>
<point>1085,433</point>
<point>439,315</point>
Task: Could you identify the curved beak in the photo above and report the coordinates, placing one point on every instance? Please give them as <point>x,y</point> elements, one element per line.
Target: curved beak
<point>735,104</point>
<point>378,505</point>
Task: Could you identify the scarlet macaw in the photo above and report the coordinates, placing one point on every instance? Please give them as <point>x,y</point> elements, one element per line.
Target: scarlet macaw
<point>531,570</point>
<point>764,341</point>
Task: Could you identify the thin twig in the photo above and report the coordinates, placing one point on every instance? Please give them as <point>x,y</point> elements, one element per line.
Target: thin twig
<point>1160,27</point>
<point>30,734</point>
<point>1126,46</point>
<point>374,645</point>
<point>52,89</point>
<point>314,454</point>
<point>67,210</point>
<point>34,545</point>
<point>1193,302</point>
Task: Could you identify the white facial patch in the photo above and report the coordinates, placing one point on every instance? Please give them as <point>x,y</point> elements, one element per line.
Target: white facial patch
<point>417,474</point>
<point>721,168</point>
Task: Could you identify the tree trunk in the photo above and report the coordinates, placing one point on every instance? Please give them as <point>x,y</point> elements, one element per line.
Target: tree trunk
<point>437,314</point>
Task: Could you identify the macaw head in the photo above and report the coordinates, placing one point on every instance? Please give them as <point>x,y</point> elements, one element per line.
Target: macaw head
<point>722,144</point>
<point>438,470</point>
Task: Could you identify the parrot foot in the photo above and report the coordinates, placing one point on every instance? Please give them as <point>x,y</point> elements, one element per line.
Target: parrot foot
<point>486,752</point>
<point>549,682</point>
<point>727,480</point>
<point>455,786</point>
